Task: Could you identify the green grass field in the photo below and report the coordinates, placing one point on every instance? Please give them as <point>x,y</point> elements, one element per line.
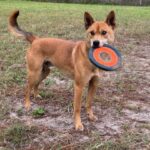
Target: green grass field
<point>122,98</point>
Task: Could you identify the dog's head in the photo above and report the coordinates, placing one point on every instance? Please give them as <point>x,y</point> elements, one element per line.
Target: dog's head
<point>100,32</point>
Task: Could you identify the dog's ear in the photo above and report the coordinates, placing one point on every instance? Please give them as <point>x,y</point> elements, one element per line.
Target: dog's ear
<point>88,20</point>
<point>110,20</point>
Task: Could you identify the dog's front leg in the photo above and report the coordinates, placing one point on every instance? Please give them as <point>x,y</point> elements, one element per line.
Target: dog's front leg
<point>78,88</point>
<point>91,91</point>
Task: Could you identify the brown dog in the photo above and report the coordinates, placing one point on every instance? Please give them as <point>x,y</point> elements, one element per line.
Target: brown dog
<point>68,56</point>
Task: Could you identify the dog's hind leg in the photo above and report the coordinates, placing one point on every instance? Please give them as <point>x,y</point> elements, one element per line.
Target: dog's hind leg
<point>91,91</point>
<point>33,79</point>
<point>38,73</point>
<point>44,73</point>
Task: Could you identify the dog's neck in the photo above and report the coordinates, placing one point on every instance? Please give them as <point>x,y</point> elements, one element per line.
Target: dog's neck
<point>88,46</point>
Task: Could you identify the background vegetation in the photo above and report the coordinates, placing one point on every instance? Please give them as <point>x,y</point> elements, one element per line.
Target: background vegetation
<point>120,2</point>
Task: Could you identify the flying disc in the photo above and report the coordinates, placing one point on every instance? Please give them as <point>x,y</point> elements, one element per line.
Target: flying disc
<point>106,57</point>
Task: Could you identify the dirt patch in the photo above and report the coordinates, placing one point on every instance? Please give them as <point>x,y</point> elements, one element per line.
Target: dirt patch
<point>121,104</point>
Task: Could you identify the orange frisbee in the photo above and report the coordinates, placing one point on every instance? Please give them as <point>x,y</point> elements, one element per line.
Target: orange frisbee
<point>106,57</point>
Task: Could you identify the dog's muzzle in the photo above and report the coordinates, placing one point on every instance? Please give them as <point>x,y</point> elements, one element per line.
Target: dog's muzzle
<point>98,43</point>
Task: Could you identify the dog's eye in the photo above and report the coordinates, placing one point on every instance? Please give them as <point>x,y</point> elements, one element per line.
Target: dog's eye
<point>104,32</point>
<point>92,33</point>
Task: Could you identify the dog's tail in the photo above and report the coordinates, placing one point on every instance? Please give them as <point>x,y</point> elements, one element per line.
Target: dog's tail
<point>16,30</point>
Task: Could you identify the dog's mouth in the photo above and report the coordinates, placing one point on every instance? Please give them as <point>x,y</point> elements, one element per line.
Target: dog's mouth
<point>98,43</point>
<point>95,46</point>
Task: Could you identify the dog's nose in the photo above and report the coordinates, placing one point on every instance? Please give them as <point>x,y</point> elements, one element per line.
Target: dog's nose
<point>96,43</point>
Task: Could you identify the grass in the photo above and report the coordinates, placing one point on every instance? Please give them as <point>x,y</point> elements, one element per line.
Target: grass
<point>38,112</point>
<point>18,135</point>
<point>46,94</point>
<point>65,21</point>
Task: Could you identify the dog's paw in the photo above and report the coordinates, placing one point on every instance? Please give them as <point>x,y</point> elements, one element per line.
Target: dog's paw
<point>38,96</point>
<point>79,127</point>
<point>92,117</point>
